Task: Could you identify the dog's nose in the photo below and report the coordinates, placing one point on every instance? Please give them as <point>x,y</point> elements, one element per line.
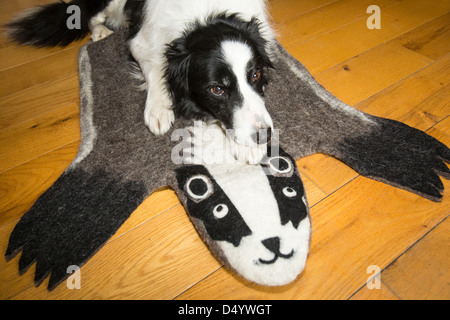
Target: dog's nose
<point>262,136</point>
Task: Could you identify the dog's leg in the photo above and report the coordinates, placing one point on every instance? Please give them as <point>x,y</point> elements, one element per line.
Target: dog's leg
<point>158,113</point>
<point>98,28</point>
<point>114,12</point>
<point>100,32</point>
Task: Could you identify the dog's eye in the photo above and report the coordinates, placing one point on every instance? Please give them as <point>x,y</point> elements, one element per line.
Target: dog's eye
<point>256,76</point>
<point>217,90</point>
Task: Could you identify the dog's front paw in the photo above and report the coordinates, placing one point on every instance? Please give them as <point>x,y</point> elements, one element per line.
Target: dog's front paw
<point>159,119</point>
<point>99,32</point>
<point>249,154</point>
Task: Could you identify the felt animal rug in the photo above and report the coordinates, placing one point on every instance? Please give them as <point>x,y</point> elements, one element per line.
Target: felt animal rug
<point>254,218</point>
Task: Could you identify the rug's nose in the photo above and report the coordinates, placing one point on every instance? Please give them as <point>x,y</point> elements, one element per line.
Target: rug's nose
<point>273,244</point>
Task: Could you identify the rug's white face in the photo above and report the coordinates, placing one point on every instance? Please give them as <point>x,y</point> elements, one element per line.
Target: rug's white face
<point>255,216</point>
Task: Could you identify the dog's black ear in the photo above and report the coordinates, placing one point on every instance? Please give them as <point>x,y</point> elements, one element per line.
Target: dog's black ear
<point>177,69</point>
<point>254,27</point>
<point>177,74</point>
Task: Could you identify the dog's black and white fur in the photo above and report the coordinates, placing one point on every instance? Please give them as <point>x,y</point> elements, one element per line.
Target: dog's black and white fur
<point>201,59</point>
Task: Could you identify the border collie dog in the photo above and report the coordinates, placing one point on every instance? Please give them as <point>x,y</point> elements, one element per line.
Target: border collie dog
<point>201,59</point>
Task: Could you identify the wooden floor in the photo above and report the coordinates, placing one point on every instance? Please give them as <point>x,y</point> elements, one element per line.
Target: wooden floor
<point>362,229</point>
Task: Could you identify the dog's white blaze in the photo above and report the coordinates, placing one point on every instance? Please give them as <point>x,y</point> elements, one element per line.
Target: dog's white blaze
<point>252,115</point>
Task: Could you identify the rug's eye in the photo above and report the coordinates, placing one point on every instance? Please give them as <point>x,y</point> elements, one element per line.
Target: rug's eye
<point>280,165</point>
<point>289,192</point>
<point>256,76</point>
<point>217,90</point>
<point>220,211</point>
<point>199,188</point>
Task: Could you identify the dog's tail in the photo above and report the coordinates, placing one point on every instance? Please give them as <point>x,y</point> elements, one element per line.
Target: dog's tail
<point>56,24</point>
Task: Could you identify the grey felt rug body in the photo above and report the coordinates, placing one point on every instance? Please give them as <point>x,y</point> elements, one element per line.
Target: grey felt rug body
<point>120,163</point>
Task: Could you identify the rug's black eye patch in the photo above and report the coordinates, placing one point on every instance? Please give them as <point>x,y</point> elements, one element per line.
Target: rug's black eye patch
<point>207,202</point>
<point>287,188</point>
<point>289,193</point>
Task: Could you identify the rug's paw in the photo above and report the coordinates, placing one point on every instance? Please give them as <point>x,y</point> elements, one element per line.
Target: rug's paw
<point>399,155</point>
<point>254,218</point>
<point>70,222</point>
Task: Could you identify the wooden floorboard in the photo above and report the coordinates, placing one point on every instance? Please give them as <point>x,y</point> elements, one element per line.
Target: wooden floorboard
<point>420,100</point>
<point>405,276</point>
<point>400,71</point>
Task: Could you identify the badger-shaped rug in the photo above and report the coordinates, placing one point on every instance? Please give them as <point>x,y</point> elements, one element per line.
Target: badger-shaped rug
<point>253,218</point>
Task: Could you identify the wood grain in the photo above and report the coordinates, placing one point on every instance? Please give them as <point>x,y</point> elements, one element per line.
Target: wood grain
<point>283,10</point>
<point>325,19</point>
<point>34,137</point>
<point>56,65</point>
<point>350,40</point>
<point>32,102</point>
<point>430,40</point>
<point>406,276</point>
<point>327,172</point>
<point>382,293</point>
<point>420,100</point>
<point>371,72</point>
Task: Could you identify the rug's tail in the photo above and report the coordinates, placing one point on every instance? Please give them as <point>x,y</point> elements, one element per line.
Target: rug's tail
<point>56,24</point>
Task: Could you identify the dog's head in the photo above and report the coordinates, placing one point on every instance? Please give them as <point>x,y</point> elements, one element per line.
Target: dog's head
<point>216,70</point>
